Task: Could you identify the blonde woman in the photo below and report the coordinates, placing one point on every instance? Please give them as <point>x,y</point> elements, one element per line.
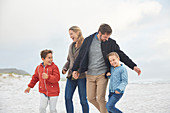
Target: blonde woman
<point>80,82</point>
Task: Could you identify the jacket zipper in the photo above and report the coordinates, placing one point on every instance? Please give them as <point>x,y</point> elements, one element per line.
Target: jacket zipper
<point>45,81</point>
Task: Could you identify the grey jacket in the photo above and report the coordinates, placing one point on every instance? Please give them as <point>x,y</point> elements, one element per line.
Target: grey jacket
<point>70,61</point>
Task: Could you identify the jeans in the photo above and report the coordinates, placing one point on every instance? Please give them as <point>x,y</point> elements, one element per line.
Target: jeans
<point>113,99</point>
<point>44,102</point>
<point>69,91</point>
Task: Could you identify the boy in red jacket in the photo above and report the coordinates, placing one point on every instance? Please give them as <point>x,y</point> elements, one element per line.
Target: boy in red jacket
<point>48,75</point>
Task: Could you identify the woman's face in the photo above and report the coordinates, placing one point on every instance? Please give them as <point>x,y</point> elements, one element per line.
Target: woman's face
<point>73,35</point>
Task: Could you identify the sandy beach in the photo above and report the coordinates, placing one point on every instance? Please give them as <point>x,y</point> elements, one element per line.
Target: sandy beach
<point>138,97</point>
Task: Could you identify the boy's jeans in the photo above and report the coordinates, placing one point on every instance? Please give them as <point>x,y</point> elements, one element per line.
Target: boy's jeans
<point>44,102</point>
<point>69,91</point>
<point>113,99</point>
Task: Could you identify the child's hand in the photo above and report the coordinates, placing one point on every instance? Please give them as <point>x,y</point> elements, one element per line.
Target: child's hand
<point>75,74</point>
<point>44,75</point>
<point>27,90</point>
<point>108,74</point>
<point>117,92</point>
<point>64,71</point>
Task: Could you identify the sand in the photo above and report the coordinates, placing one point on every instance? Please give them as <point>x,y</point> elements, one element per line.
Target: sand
<point>138,97</point>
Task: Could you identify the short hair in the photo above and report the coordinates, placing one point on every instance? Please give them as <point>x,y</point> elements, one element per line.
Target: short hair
<point>105,28</point>
<point>45,52</point>
<point>113,54</point>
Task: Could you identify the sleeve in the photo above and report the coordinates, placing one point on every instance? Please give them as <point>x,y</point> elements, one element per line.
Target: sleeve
<point>55,77</point>
<point>123,57</point>
<point>35,78</point>
<point>108,76</point>
<point>124,81</point>
<point>67,64</point>
<point>107,72</point>
<point>79,57</point>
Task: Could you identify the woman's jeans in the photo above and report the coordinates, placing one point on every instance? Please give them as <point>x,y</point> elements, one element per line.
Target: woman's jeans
<point>44,100</point>
<point>69,91</point>
<point>113,99</point>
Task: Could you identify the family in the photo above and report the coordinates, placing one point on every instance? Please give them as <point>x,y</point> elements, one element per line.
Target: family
<point>91,62</point>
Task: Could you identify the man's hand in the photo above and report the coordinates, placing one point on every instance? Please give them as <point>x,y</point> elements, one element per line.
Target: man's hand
<point>44,75</point>
<point>108,74</point>
<point>75,74</point>
<point>137,70</point>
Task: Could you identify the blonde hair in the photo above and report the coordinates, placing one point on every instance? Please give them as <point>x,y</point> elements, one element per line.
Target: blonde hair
<point>113,54</point>
<point>80,36</point>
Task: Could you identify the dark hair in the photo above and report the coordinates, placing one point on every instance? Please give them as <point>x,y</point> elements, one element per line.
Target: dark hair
<point>45,52</point>
<point>105,28</point>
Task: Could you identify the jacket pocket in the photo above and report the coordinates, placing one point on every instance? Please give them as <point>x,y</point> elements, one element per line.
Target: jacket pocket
<point>53,87</point>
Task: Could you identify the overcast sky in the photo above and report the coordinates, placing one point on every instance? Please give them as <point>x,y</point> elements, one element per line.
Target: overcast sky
<point>141,28</point>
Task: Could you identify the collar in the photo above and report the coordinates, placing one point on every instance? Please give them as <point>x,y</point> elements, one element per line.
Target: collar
<point>118,66</point>
<point>96,36</point>
<point>42,64</point>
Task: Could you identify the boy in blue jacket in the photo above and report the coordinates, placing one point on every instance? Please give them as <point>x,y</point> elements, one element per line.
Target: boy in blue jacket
<point>118,81</point>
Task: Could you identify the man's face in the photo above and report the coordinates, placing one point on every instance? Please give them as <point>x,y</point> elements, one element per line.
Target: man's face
<point>104,37</point>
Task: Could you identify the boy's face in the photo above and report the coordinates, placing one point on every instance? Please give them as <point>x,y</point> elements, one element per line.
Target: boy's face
<point>48,59</point>
<point>114,61</point>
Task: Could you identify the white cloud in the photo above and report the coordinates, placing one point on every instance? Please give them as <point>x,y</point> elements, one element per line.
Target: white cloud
<point>27,20</point>
<point>163,38</point>
<point>129,13</point>
<point>26,27</point>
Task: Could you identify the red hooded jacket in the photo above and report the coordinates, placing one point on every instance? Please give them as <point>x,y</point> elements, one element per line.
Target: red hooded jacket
<point>49,86</point>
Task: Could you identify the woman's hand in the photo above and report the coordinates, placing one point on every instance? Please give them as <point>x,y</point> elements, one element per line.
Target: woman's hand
<point>64,71</point>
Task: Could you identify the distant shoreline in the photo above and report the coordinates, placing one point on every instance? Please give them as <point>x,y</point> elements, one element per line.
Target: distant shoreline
<point>13,70</point>
<point>158,81</point>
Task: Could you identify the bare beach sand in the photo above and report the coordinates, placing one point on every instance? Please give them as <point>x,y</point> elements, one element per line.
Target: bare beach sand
<point>138,97</point>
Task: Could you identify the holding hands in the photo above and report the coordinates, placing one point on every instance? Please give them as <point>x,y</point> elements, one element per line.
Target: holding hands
<point>75,74</point>
<point>108,74</point>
